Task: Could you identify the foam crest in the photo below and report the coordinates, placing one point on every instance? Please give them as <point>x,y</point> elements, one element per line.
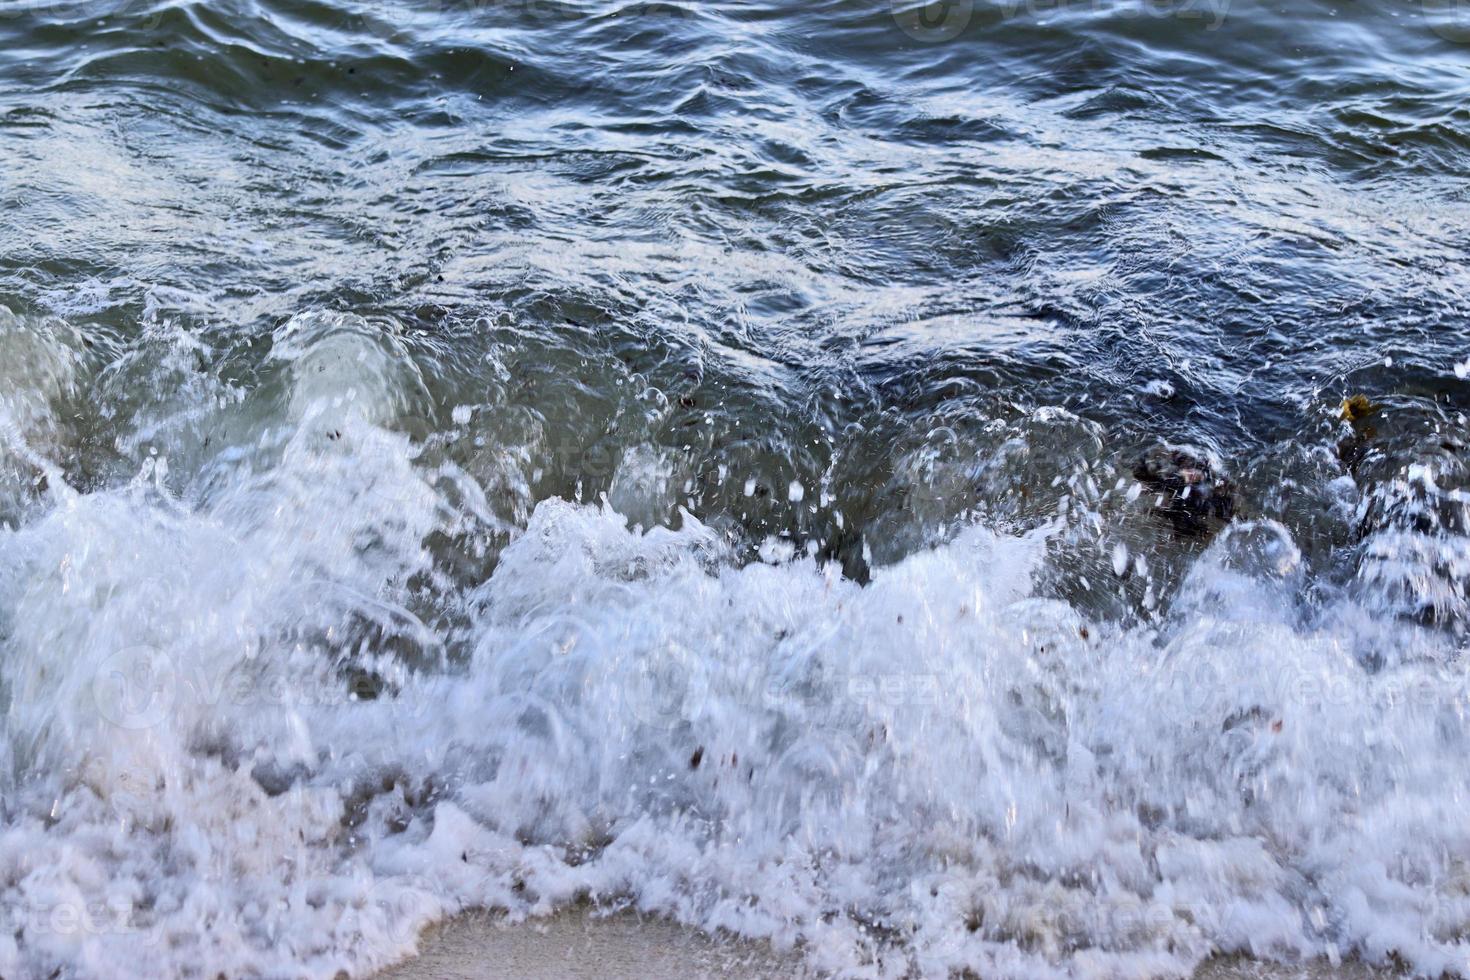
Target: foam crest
<point>343,366</point>
<point>293,759</point>
<point>41,363</point>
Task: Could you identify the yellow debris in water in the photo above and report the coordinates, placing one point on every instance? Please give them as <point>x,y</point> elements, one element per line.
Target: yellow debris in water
<point>1356,407</point>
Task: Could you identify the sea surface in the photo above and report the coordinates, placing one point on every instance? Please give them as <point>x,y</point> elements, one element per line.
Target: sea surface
<point>683,457</point>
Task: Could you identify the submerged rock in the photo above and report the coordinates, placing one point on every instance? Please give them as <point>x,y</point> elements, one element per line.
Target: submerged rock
<point>1409,464</point>
<point>1193,497</point>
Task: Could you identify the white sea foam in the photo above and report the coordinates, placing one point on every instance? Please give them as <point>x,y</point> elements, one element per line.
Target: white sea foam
<point>943,769</point>
<point>39,363</point>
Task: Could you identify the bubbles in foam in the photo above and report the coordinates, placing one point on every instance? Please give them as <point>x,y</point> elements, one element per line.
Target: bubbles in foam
<point>40,359</point>
<point>235,713</point>
<point>643,486</point>
<point>344,366</point>
<point>41,362</point>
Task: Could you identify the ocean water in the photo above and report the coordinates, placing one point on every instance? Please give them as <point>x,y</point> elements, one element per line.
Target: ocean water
<point>681,456</point>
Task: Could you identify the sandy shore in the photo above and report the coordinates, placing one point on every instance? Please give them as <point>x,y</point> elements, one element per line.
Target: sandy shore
<point>574,945</point>
<point>577,946</point>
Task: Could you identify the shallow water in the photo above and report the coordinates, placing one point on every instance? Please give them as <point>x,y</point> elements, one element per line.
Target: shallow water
<point>460,453</point>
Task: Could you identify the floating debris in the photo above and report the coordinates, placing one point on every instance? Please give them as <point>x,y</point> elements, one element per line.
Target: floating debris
<point>1190,493</point>
<point>1356,408</point>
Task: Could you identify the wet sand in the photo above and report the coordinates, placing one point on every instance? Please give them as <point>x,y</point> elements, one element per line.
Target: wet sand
<point>575,945</point>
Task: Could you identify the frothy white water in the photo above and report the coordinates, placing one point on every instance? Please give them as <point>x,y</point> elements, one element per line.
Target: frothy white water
<point>40,359</point>
<point>252,727</point>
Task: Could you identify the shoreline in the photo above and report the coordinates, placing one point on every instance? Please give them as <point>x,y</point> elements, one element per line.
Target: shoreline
<point>576,945</point>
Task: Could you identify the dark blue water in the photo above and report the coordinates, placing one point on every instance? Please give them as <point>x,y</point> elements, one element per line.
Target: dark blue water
<point>329,328</point>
